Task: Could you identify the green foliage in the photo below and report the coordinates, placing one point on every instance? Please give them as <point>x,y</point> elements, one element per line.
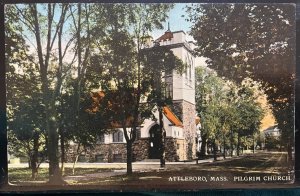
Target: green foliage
<point>228,112</point>
<point>251,40</point>
<point>25,111</point>
<point>98,47</point>
<point>272,142</point>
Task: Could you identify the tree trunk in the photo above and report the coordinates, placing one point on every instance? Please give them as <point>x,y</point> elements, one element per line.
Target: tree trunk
<point>215,149</point>
<point>54,172</point>
<point>231,144</point>
<point>203,149</point>
<point>50,117</point>
<point>62,148</point>
<point>253,144</point>
<point>224,148</point>
<point>129,157</point>
<point>238,145</point>
<point>162,138</point>
<point>34,158</point>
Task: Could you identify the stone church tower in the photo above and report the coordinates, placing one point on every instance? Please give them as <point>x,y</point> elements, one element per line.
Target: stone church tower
<point>182,88</point>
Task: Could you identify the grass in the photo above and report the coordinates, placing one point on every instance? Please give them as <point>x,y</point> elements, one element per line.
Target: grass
<point>24,174</point>
<point>262,164</point>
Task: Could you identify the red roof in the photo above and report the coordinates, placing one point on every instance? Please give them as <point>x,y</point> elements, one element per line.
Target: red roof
<point>172,117</point>
<point>167,36</point>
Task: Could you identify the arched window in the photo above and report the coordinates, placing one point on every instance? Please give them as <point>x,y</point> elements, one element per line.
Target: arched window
<point>118,136</point>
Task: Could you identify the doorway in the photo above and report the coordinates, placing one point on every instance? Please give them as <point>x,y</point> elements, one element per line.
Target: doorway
<point>154,142</point>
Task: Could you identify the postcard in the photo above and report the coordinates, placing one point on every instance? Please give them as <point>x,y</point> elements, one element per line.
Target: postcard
<point>149,96</point>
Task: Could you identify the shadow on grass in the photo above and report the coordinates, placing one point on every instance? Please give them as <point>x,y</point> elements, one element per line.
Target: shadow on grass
<point>256,165</point>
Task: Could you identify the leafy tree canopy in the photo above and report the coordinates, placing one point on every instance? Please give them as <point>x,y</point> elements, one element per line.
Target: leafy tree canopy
<point>251,40</point>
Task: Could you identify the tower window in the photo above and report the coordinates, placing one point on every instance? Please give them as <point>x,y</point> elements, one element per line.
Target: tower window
<point>169,90</point>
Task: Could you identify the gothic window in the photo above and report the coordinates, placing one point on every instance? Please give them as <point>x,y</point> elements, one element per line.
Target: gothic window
<point>169,90</point>
<point>118,136</point>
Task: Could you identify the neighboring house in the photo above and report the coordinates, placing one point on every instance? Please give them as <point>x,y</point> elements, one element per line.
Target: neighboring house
<point>272,131</point>
<point>179,119</point>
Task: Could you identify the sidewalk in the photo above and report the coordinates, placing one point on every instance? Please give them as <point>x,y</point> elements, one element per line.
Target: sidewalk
<point>139,165</point>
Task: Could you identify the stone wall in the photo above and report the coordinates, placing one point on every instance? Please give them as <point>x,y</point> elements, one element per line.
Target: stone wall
<point>187,112</point>
<point>110,151</point>
<point>181,149</point>
<point>171,150</point>
<point>188,120</point>
<point>99,153</point>
<point>140,149</point>
<point>175,150</point>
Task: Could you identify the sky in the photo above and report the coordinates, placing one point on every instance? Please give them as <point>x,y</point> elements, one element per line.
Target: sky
<point>176,19</point>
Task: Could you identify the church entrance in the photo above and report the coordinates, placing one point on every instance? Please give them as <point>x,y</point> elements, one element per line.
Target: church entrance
<point>154,142</point>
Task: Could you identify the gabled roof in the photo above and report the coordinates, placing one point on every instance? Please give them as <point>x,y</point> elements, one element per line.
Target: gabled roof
<point>172,117</point>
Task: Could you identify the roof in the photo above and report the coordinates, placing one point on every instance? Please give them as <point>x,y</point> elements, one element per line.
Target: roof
<point>167,36</point>
<point>172,117</point>
<point>272,128</point>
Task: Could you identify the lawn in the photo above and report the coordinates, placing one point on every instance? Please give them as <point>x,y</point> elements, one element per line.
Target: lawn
<point>17,175</point>
<point>223,171</point>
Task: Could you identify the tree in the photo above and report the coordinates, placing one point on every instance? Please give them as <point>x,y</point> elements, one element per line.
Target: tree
<point>272,142</point>
<point>26,134</point>
<point>210,98</point>
<point>128,27</point>
<point>260,44</point>
<point>42,25</point>
<point>226,110</point>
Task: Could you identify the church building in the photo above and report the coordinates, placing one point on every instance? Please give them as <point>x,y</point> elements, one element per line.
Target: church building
<point>180,121</point>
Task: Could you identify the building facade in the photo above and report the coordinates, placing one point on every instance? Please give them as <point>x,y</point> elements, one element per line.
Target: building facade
<point>179,119</point>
